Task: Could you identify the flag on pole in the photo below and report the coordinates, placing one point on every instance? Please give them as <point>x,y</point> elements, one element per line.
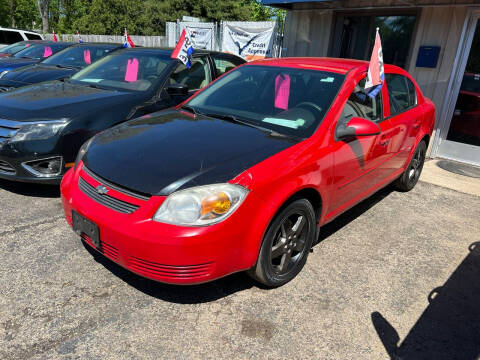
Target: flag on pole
<point>376,74</point>
<point>55,36</point>
<point>184,49</point>
<point>127,42</point>
<point>79,38</point>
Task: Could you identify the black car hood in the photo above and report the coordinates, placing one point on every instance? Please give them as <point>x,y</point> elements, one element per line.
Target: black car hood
<point>12,63</point>
<point>171,150</point>
<point>58,99</point>
<point>34,74</point>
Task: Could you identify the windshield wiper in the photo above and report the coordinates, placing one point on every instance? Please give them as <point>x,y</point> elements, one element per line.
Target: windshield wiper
<point>191,109</point>
<point>65,67</point>
<point>234,119</point>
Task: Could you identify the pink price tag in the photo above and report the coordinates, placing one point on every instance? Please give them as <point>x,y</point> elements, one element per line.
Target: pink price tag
<point>132,70</point>
<point>282,91</point>
<point>86,56</point>
<point>27,45</point>
<point>47,51</point>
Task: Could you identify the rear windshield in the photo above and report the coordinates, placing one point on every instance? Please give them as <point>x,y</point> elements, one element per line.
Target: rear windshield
<point>79,56</point>
<point>285,100</point>
<point>40,51</point>
<point>14,48</point>
<point>126,70</point>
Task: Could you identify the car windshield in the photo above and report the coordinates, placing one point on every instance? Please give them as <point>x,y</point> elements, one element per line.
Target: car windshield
<point>127,70</point>
<point>288,101</point>
<point>79,56</point>
<point>40,51</point>
<point>14,48</point>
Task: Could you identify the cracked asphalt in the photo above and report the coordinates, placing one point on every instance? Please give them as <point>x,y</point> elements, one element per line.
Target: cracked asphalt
<point>396,277</point>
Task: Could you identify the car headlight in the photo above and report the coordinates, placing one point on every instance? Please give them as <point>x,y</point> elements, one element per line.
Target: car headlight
<point>3,73</point>
<point>81,153</point>
<point>202,205</point>
<point>38,131</point>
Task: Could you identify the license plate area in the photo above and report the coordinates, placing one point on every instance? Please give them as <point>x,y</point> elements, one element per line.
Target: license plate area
<point>82,225</point>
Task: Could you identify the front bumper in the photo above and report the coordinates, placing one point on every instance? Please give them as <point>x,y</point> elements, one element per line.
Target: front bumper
<point>165,252</point>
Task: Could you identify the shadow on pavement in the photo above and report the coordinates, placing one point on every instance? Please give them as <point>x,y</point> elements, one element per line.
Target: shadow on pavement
<point>449,328</point>
<point>27,189</point>
<point>353,213</point>
<point>181,294</point>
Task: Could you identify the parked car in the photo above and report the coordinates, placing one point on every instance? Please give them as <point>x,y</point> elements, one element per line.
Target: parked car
<point>59,66</point>
<point>465,125</point>
<point>242,175</point>
<point>31,55</point>
<point>12,49</point>
<point>42,126</point>
<point>11,36</point>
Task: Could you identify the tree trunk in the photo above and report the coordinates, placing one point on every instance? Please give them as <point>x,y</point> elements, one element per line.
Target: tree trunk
<point>44,12</point>
<point>12,13</point>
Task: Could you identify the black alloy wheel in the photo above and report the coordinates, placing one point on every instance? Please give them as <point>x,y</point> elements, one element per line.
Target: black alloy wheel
<point>410,176</point>
<point>286,244</point>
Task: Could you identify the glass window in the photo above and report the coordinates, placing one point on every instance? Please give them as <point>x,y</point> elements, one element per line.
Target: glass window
<point>399,94</point>
<point>40,51</point>
<point>129,70</point>
<point>223,64</point>
<point>10,37</point>
<point>352,32</point>
<point>14,48</point>
<point>359,104</point>
<point>197,77</point>
<point>79,56</point>
<point>412,93</point>
<point>33,36</point>
<point>288,101</point>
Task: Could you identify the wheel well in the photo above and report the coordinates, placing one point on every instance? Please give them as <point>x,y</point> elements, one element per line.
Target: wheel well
<point>426,138</point>
<point>311,195</point>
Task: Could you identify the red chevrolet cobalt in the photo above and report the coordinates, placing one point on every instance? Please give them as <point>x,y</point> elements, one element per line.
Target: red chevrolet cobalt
<point>243,174</point>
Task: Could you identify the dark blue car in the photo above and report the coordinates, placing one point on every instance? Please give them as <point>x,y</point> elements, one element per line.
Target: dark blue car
<point>58,66</point>
<point>32,54</point>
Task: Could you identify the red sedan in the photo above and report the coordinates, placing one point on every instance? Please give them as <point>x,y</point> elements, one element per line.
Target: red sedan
<point>243,175</point>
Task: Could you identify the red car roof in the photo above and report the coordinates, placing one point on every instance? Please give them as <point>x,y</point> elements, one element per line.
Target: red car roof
<point>341,66</point>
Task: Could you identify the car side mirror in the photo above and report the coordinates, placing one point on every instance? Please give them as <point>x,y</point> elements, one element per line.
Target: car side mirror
<point>177,90</point>
<point>357,126</point>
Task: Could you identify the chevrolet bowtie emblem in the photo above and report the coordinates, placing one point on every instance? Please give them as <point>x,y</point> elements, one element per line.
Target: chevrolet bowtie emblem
<point>102,190</point>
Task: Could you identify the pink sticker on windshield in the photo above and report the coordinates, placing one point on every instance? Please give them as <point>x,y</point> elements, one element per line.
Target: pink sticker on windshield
<point>47,52</point>
<point>86,56</point>
<point>27,45</point>
<point>132,70</point>
<point>282,91</point>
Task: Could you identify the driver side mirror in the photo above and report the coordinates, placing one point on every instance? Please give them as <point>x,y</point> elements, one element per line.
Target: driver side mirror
<point>357,126</point>
<point>177,90</point>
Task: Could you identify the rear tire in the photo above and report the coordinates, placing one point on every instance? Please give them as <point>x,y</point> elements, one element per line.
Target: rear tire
<point>286,244</point>
<point>410,176</point>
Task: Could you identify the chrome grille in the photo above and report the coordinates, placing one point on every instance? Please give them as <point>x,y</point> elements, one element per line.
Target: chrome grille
<point>106,200</point>
<point>6,168</point>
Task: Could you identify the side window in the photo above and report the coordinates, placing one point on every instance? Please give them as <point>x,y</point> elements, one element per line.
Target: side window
<point>401,93</point>
<point>359,104</point>
<point>197,77</point>
<point>12,37</point>
<point>224,65</point>
<point>33,36</point>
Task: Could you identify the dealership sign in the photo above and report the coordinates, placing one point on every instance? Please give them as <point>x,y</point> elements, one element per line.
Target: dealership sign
<point>201,36</point>
<point>249,43</point>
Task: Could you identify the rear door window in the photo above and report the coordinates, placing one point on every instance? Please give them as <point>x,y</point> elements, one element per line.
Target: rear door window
<point>224,64</point>
<point>10,37</point>
<point>401,93</point>
<point>33,36</point>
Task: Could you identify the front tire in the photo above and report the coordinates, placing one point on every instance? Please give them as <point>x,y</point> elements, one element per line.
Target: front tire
<point>410,176</point>
<point>286,244</point>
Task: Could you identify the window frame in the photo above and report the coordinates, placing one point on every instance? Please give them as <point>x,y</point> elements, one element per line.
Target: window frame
<point>406,78</point>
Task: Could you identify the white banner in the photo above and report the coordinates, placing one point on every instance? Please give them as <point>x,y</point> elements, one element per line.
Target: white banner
<point>202,37</point>
<point>248,42</point>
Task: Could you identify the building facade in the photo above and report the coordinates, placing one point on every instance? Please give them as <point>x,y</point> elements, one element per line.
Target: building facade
<point>437,41</point>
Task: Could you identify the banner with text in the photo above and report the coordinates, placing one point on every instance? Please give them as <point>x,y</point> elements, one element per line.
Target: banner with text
<point>203,35</point>
<point>250,43</point>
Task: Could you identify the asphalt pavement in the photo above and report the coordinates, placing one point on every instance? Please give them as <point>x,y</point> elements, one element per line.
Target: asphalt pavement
<point>398,276</point>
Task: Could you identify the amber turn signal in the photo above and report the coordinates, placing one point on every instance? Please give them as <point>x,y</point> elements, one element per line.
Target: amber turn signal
<point>218,204</point>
